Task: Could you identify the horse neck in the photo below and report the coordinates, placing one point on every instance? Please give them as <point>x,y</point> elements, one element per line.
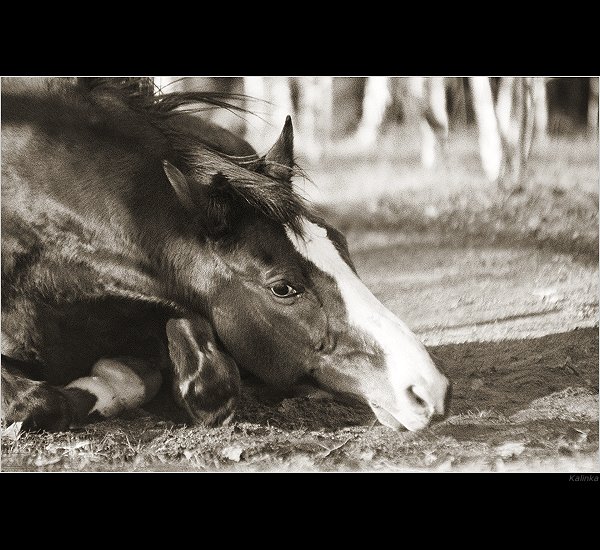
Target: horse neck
<point>153,229</point>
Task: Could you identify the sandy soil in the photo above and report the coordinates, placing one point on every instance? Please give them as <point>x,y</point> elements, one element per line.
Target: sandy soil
<point>514,328</point>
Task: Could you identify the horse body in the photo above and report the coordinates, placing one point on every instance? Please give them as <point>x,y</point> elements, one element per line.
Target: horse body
<point>68,257</point>
<point>81,273</point>
<point>131,230</point>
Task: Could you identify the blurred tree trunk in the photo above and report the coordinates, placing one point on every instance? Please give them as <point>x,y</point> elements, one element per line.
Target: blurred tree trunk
<point>375,102</point>
<point>592,113</point>
<point>504,108</point>
<point>416,87</point>
<point>520,106</point>
<point>528,110</point>
<point>541,107</point>
<point>315,104</point>
<point>273,105</point>
<point>490,145</point>
<point>527,100</point>
<point>255,88</point>
<point>437,112</point>
<point>429,97</point>
<point>457,102</point>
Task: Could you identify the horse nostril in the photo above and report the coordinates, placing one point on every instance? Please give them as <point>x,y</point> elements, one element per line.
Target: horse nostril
<point>414,394</point>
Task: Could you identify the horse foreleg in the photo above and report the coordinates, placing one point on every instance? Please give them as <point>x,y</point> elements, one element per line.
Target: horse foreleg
<point>119,384</point>
<point>206,380</point>
<point>39,405</point>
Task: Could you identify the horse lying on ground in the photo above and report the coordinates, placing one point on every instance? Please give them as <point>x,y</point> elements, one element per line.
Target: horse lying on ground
<point>139,243</point>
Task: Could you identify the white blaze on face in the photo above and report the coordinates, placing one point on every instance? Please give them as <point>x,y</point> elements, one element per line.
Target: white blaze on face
<point>408,365</point>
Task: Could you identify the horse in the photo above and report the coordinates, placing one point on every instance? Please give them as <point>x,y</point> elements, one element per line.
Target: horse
<point>142,246</point>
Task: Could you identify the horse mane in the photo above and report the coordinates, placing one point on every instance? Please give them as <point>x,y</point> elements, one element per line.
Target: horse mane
<point>275,199</point>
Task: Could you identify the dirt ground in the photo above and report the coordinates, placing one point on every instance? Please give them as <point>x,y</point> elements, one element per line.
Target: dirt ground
<point>515,329</point>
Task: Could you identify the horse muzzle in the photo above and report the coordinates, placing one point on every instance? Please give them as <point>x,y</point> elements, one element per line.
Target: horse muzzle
<point>415,405</point>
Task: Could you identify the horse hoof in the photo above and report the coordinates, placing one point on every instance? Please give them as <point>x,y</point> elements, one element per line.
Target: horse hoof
<point>221,416</point>
<point>45,408</point>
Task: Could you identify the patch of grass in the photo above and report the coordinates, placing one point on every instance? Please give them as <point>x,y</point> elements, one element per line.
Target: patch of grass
<point>490,416</point>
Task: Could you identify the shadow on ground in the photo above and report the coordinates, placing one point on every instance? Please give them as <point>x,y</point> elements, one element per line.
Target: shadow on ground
<point>527,404</point>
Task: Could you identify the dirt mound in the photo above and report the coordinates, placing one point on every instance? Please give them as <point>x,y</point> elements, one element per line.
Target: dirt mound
<point>568,404</point>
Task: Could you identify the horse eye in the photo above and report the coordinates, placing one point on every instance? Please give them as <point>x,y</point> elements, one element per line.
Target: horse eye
<point>283,290</point>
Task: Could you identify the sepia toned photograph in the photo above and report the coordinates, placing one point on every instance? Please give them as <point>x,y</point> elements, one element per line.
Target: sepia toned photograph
<point>300,274</point>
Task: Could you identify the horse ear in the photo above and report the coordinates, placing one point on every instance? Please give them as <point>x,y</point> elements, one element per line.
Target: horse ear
<point>209,200</point>
<point>279,161</point>
<point>180,185</point>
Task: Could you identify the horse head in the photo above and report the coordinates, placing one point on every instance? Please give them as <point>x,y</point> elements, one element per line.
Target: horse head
<point>284,298</point>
